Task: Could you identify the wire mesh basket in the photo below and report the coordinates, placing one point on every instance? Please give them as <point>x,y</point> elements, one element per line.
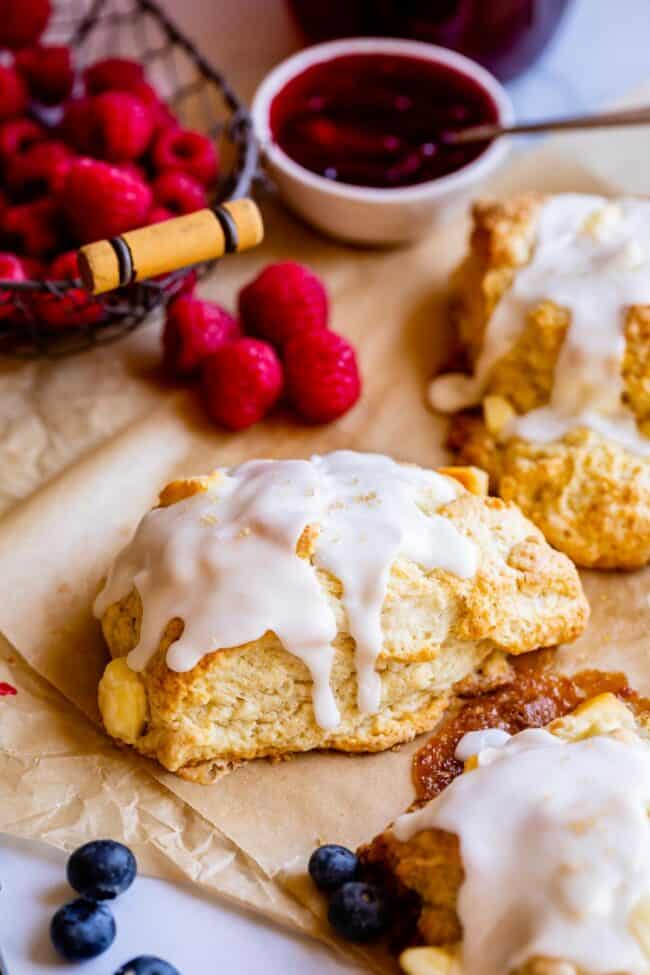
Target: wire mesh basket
<point>202,99</point>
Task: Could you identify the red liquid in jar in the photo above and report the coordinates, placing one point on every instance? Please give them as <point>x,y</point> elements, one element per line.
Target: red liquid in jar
<point>505,35</point>
<point>376,119</point>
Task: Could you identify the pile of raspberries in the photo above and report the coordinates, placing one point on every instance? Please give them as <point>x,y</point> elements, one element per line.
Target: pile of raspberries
<point>83,156</point>
<point>278,348</point>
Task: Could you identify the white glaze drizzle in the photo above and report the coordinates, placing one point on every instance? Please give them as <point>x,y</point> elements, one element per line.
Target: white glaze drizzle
<point>225,561</point>
<point>591,257</point>
<point>555,844</point>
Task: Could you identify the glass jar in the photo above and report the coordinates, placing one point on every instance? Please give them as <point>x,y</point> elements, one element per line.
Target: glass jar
<point>504,35</point>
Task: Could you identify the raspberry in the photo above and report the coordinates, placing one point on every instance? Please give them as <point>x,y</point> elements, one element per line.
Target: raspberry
<point>120,126</point>
<point>73,307</point>
<point>48,72</point>
<point>285,299</point>
<point>22,21</point>
<point>13,93</point>
<point>18,135</point>
<point>322,374</point>
<point>33,228</point>
<point>159,214</point>
<point>241,382</point>
<point>35,270</point>
<point>75,124</point>
<point>195,329</point>
<point>190,152</point>
<point>133,169</point>
<point>178,192</point>
<point>39,171</point>
<point>113,74</point>
<point>102,201</point>
<point>11,269</point>
<point>161,115</point>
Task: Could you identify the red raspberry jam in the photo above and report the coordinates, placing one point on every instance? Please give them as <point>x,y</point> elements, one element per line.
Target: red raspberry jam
<point>377,119</point>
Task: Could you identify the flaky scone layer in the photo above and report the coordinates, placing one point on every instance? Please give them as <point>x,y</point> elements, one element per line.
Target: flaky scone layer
<point>256,700</point>
<point>589,495</point>
<point>430,863</point>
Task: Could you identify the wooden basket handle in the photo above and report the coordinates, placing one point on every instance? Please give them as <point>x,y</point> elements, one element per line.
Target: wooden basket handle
<point>163,247</point>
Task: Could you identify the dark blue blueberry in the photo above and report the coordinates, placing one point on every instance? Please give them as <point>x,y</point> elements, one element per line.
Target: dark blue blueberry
<point>82,929</point>
<point>331,865</point>
<point>101,869</point>
<point>357,912</point>
<point>147,965</point>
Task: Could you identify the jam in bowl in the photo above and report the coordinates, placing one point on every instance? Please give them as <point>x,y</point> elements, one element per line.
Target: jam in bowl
<point>353,134</point>
<point>378,119</point>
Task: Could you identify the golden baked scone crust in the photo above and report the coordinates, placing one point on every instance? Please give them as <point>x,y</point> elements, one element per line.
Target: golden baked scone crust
<point>256,700</point>
<point>589,495</point>
<point>430,862</point>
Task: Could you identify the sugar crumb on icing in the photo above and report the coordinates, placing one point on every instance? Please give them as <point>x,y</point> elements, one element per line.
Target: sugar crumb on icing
<point>555,845</point>
<point>592,257</point>
<point>224,560</point>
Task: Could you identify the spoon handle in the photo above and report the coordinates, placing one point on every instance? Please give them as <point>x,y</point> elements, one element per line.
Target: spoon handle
<point>168,246</point>
<point>482,133</point>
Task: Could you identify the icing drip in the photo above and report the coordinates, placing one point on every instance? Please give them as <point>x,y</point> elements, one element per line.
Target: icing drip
<point>555,844</point>
<point>592,257</point>
<point>225,561</point>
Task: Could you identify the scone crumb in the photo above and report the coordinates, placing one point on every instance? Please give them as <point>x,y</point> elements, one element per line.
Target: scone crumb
<point>497,414</point>
<point>426,961</point>
<point>473,479</point>
<point>185,488</point>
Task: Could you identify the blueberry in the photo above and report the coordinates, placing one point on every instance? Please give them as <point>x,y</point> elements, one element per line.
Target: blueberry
<point>357,912</point>
<point>331,865</point>
<point>147,965</point>
<point>82,929</point>
<point>101,869</point>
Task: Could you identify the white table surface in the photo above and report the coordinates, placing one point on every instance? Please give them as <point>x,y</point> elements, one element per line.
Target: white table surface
<point>600,52</point>
<point>197,935</point>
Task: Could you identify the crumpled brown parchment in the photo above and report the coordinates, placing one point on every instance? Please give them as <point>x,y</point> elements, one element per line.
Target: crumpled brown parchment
<point>99,467</point>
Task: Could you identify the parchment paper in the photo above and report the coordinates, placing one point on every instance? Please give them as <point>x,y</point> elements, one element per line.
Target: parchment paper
<point>57,543</point>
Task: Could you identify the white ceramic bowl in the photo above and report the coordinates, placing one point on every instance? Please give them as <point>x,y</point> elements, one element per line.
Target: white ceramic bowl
<point>364,214</point>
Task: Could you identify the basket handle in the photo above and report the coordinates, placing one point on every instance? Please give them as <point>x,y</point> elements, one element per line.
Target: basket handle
<point>170,245</point>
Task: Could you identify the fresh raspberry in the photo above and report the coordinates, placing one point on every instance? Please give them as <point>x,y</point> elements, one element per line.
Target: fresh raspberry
<point>102,201</point>
<point>113,74</point>
<point>13,93</point>
<point>22,22</point>
<point>283,300</point>
<point>75,124</point>
<point>161,114</point>
<point>17,135</point>
<point>35,270</point>
<point>178,192</point>
<point>48,72</point>
<point>159,214</point>
<point>33,228</point>
<point>322,374</point>
<point>120,126</point>
<point>188,151</point>
<point>133,169</point>
<point>241,382</point>
<point>193,331</point>
<point>72,307</point>
<point>11,269</point>
<point>39,171</point>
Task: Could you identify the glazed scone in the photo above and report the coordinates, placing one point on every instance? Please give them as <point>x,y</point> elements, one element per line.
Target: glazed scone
<point>552,309</point>
<point>289,605</point>
<point>536,860</point>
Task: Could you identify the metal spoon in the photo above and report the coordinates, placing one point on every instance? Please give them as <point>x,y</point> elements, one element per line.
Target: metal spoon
<point>484,133</point>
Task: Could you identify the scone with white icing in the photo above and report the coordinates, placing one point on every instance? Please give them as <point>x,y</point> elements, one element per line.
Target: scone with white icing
<point>552,308</point>
<point>283,606</point>
<point>536,860</point>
